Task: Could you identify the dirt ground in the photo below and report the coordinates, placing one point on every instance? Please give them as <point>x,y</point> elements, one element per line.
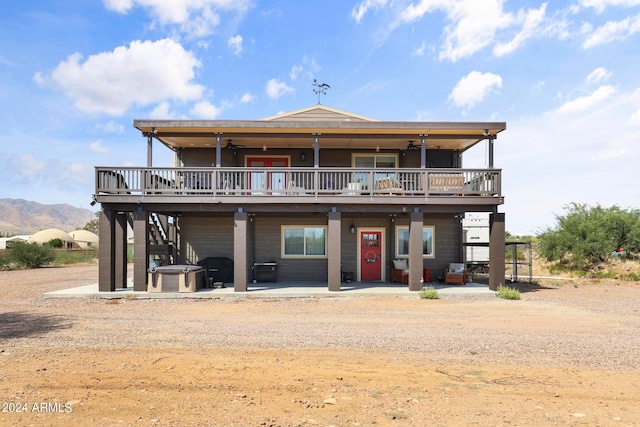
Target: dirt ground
<point>566,354</point>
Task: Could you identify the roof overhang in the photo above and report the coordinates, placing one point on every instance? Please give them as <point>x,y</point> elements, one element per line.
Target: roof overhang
<point>331,134</point>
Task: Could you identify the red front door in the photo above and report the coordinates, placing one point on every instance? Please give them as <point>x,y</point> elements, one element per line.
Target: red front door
<point>370,256</point>
<point>271,182</point>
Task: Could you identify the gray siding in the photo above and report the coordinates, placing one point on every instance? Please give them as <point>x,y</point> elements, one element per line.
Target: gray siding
<point>202,236</point>
<point>206,157</point>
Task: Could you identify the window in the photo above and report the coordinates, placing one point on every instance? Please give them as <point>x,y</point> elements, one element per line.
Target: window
<point>300,241</point>
<point>375,161</point>
<point>402,241</point>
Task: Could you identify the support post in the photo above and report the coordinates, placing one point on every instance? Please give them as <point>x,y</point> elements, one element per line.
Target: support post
<point>218,150</point>
<point>149,151</point>
<point>120,244</point>
<point>316,150</point>
<point>415,251</point>
<point>423,151</point>
<point>140,250</point>
<point>491,138</point>
<point>334,242</point>
<point>240,252</point>
<point>496,250</point>
<point>106,252</point>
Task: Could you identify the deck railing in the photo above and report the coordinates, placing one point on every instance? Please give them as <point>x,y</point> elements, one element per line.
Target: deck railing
<point>298,182</point>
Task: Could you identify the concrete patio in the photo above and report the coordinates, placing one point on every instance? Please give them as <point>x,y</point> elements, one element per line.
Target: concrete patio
<point>280,290</point>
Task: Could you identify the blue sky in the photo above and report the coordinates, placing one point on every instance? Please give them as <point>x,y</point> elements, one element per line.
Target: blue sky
<point>564,75</point>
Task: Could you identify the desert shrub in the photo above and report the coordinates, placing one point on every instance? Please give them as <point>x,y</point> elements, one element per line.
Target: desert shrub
<point>4,262</point>
<point>589,235</point>
<point>631,277</point>
<point>31,255</point>
<point>71,257</point>
<point>429,293</point>
<point>506,292</point>
<point>55,243</point>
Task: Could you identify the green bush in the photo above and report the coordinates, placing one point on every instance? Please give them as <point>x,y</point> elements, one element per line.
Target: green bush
<point>508,293</point>
<point>429,293</point>
<point>31,255</point>
<point>55,243</point>
<point>4,262</point>
<point>71,257</point>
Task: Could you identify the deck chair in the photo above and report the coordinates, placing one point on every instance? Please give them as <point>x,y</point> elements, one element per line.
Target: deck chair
<point>456,273</point>
<point>294,190</point>
<point>386,186</point>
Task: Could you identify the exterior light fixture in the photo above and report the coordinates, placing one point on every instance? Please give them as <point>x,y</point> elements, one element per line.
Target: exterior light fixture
<point>352,229</point>
<point>264,147</point>
<point>303,157</point>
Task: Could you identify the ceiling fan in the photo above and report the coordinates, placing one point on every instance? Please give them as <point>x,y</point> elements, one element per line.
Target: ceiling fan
<point>411,146</point>
<point>231,146</point>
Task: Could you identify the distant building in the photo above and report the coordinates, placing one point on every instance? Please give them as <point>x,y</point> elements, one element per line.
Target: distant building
<point>45,236</point>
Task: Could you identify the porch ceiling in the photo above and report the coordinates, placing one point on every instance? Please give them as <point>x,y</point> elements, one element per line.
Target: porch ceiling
<point>296,134</point>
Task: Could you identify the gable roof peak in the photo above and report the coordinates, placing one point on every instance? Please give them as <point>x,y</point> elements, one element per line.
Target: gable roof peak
<point>319,113</point>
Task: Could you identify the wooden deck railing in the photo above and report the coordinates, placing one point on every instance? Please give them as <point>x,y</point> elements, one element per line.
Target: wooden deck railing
<point>299,182</point>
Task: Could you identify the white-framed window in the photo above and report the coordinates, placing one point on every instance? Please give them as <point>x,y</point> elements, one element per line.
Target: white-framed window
<point>402,241</point>
<point>374,161</point>
<point>304,241</point>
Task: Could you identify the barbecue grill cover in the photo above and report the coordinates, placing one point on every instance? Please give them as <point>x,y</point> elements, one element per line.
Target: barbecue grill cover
<point>224,266</point>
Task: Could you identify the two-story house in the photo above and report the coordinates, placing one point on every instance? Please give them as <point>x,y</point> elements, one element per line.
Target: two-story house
<point>318,192</point>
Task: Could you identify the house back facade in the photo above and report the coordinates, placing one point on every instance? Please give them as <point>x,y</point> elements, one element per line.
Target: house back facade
<point>317,194</point>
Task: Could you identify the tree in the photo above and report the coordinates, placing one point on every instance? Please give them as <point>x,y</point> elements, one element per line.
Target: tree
<point>587,235</point>
<point>93,226</point>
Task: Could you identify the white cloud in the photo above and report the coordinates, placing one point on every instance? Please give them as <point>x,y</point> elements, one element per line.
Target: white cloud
<point>31,166</point>
<point>601,5</point>
<point>598,75</point>
<point>39,79</point>
<point>235,43</point>
<point>420,50</point>
<point>78,172</point>
<point>197,18</point>
<point>531,21</point>
<point>467,31</point>
<point>588,101</point>
<point>275,88</point>
<point>142,74</point>
<point>96,146</point>
<point>634,120</point>
<point>111,127</point>
<point>613,30</point>
<point>162,111</point>
<point>308,66</point>
<point>247,98</point>
<point>473,88</point>
<point>205,110</point>
<point>364,6</point>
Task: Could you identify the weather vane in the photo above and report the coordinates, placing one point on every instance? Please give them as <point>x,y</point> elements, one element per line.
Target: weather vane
<point>320,88</point>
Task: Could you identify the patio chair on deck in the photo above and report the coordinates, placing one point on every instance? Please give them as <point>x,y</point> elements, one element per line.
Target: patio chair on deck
<point>456,273</point>
<point>387,186</point>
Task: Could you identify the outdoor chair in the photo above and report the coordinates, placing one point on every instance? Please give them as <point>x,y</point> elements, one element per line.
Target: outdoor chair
<point>456,273</point>
<point>386,185</point>
<point>400,272</point>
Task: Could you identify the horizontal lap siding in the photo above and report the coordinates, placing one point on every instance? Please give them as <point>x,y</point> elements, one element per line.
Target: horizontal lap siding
<point>202,237</point>
<point>268,247</point>
<point>213,236</point>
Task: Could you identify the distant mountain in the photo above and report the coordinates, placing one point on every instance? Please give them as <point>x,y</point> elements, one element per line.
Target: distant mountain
<point>18,216</point>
